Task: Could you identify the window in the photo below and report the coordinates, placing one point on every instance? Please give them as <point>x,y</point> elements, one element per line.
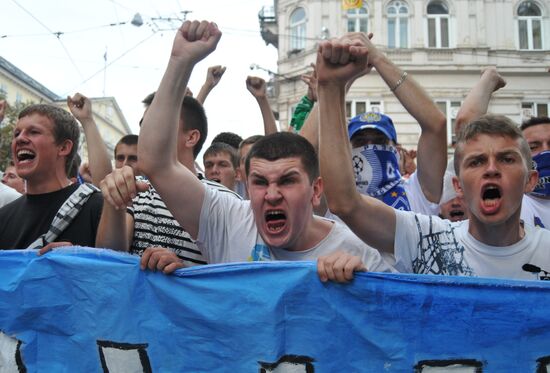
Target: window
<point>529,25</point>
<point>358,19</point>
<point>18,98</point>
<point>356,107</point>
<point>450,109</point>
<point>438,25</point>
<point>534,109</point>
<point>398,25</point>
<point>3,89</point>
<point>298,30</point>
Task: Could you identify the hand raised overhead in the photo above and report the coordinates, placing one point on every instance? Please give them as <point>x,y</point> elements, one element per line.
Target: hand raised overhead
<point>344,59</point>
<point>194,41</point>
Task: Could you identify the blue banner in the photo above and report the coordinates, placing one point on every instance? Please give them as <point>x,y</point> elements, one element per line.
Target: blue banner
<point>91,310</point>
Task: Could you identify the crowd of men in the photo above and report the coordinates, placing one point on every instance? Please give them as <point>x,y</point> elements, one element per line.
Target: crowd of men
<point>342,192</point>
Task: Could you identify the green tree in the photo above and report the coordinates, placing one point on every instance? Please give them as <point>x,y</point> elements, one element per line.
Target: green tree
<point>6,131</point>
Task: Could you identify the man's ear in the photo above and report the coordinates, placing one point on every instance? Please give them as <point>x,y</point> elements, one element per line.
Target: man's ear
<point>239,176</point>
<point>317,191</point>
<point>192,137</point>
<point>458,188</point>
<point>532,180</point>
<point>65,148</point>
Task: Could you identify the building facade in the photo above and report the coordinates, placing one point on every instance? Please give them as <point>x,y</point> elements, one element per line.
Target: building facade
<point>18,87</point>
<point>444,44</point>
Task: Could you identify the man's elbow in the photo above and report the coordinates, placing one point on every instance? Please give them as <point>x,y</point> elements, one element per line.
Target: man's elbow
<point>147,163</point>
<point>441,124</point>
<point>341,207</point>
<point>463,118</point>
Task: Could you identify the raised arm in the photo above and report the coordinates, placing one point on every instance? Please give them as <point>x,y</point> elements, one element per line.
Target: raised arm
<point>477,100</point>
<point>213,77</point>
<point>338,62</point>
<point>157,146</point>
<point>257,87</point>
<point>432,144</point>
<point>310,128</point>
<point>305,106</point>
<point>98,156</point>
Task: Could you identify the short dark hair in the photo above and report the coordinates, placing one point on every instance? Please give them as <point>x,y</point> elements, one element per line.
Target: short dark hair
<point>285,145</point>
<point>228,138</point>
<point>222,148</point>
<point>194,118</point>
<point>65,126</point>
<point>250,140</point>
<point>491,124</point>
<point>129,140</point>
<point>533,121</point>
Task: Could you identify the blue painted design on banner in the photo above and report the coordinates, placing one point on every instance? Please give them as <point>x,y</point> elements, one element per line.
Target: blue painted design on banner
<point>92,310</point>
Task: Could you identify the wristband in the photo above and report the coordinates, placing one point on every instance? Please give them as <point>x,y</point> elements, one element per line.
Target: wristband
<point>400,81</point>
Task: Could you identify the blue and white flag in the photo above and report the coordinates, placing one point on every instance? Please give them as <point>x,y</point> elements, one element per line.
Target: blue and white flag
<point>91,310</point>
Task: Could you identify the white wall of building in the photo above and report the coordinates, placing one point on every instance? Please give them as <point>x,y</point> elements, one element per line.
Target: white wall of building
<point>481,33</point>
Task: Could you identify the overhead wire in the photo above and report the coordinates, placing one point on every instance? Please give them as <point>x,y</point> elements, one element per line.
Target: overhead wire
<point>113,61</point>
<point>57,34</point>
<point>252,33</point>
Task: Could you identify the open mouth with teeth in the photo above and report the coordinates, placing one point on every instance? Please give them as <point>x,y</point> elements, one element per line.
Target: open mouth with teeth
<point>275,221</point>
<point>456,214</point>
<point>491,197</point>
<point>25,156</point>
<point>217,180</point>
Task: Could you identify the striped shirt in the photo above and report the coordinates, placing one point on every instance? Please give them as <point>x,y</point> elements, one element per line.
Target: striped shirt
<point>154,225</point>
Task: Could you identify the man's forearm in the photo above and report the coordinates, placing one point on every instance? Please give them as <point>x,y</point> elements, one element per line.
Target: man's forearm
<point>112,230</point>
<point>267,116</point>
<point>160,129</point>
<point>98,155</point>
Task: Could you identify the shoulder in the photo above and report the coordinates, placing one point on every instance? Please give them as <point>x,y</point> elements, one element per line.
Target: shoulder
<point>11,206</point>
<point>95,198</point>
<point>219,187</point>
<point>423,223</point>
<point>7,194</point>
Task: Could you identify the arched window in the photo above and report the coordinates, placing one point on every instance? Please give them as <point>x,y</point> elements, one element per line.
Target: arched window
<point>438,25</point>
<point>358,19</point>
<point>529,25</point>
<point>298,30</point>
<point>398,24</point>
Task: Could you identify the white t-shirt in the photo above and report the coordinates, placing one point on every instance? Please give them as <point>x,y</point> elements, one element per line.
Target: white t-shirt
<point>416,197</point>
<point>7,194</point>
<point>535,211</point>
<point>228,233</point>
<point>431,245</point>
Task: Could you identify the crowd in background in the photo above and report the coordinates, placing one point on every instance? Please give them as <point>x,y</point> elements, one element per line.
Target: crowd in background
<point>343,192</point>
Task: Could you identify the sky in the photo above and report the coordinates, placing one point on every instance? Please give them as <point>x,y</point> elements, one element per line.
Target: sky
<point>137,56</point>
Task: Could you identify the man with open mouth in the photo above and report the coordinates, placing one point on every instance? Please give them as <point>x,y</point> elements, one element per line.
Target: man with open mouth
<point>44,145</point>
<point>451,207</point>
<point>282,177</point>
<point>535,208</point>
<point>221,163</point>
<point>493,170</point>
